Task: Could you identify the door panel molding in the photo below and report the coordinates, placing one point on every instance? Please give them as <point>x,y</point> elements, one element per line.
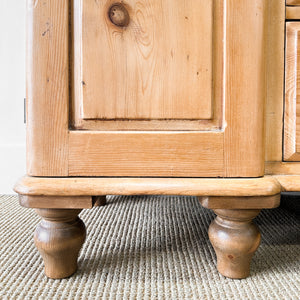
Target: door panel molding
<point>158,112</point>
<point>292,94</point>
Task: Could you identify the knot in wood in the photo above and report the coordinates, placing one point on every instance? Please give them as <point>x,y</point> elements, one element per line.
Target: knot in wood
<point>119,15</point>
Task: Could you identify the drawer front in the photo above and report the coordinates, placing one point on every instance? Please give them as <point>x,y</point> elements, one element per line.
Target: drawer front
<point>292,93</point>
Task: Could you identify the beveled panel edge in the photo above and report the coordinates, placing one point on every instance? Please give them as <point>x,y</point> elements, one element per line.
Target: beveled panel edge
<point>216,122</point>
<point>289,131</point>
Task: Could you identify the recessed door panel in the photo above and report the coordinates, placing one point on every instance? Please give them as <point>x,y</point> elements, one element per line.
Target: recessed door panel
<point>157,65</point>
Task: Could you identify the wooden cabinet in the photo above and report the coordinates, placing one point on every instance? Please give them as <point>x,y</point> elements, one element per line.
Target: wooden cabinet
<point>159,97</point>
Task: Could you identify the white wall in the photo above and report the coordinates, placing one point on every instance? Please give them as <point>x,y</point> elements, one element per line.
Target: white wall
<point>12,93</point>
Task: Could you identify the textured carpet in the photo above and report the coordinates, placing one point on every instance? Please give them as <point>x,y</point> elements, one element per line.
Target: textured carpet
<point>145,247</point>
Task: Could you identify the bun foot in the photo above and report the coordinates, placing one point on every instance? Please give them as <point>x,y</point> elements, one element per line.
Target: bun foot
<point>235,239</point>
<point>59,238</point>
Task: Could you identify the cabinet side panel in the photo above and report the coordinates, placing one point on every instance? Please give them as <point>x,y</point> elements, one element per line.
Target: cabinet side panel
<point>245,88</point>
<point>47,88</point>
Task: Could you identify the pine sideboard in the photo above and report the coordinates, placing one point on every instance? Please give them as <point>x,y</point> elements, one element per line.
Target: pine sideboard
<point>160,97</point>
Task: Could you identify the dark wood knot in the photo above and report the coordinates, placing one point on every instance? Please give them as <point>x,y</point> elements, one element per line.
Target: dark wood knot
<point>119,15</point>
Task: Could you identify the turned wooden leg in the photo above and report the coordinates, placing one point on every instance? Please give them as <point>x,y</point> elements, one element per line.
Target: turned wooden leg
<point>99,201</point>
<point>235,239</point>
<point>59,238</point>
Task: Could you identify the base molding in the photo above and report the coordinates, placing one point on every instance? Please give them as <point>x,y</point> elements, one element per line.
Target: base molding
<point>97,186</point>
<point>254,202</point>
<point>233,235</point>
<point>236,201</point>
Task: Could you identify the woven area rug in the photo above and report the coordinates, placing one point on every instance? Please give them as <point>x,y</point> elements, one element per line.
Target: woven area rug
<point>148,247</point>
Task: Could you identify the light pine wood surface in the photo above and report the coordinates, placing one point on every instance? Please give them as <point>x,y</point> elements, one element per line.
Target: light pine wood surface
<point>243,113</point>
<point>39,156</point>
<point>282,168</point>
<point>47,87</point>
<point>252,202</point>
<point>245,90</point>
<point>292,2</point>
<point>275,80</point>
<point>289,183</point>
<point>147,97</point>
<point>179,154</point>
<point>293,13</point>
<point>242,154</point>
<point>41,201</point>
<point>183,104</point>
<point>159,66</point>
<point>292,100</point>
<point>80,186</point>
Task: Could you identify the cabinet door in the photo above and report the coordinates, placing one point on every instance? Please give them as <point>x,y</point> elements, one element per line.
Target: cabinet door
<point>154,88</point>
<point>292,93</point>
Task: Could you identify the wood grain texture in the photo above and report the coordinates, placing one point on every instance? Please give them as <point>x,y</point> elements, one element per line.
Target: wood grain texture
<point>292,13</point>
<point>275,80</point>
<point>292,94</point>
<point>189,154</point>
<point>80,186</point>
<point>217,56</point>
<point>289,183</point>
<point>47,88</point>
<point>178,154</point>
<point>160,66</point>
<point>245,88</point>
<point>259,202</point>
<point>288,168</point>
<point>59,237</point>
<point>292,2</point>
<point>235,239</point>
<point>73,202</point>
